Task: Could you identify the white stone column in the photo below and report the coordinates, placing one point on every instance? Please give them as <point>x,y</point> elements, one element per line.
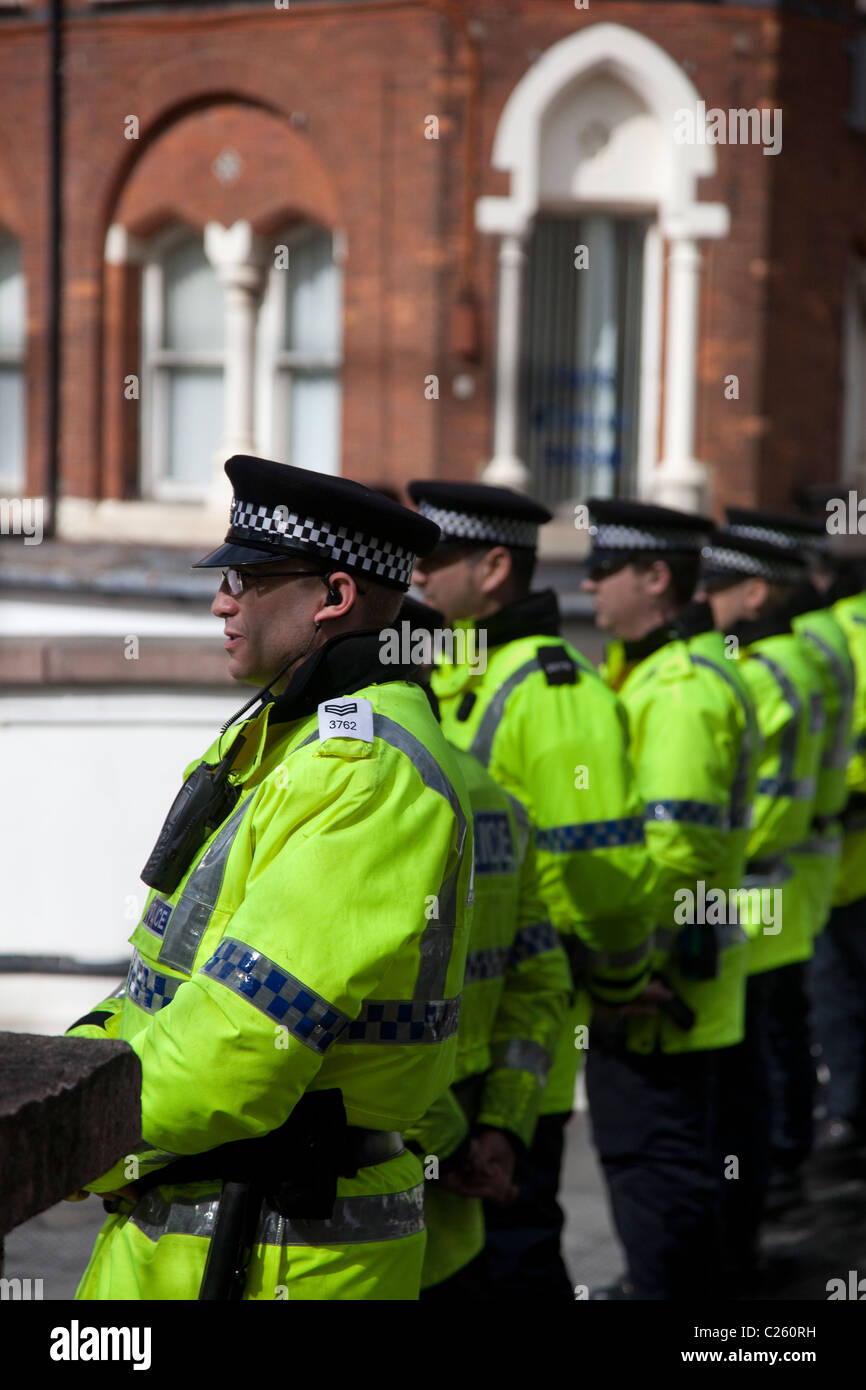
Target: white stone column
<point>238,260</point>
<point>505,469</point>
<point>680,480</point>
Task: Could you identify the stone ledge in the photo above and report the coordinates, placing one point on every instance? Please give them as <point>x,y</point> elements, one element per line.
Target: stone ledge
<point>69,1109</point>
<point>161,661</point>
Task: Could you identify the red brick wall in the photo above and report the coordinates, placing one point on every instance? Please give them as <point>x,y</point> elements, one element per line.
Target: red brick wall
<point>198,81</point>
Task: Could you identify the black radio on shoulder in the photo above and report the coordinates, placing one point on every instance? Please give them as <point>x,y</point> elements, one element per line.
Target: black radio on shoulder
<point>203,802</point>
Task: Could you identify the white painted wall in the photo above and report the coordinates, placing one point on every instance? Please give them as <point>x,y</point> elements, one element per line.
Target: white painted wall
<point>87,780</point>
<point>21,617</point>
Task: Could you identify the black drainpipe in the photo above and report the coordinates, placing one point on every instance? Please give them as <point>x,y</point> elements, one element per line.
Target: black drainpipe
<point>55,233</point>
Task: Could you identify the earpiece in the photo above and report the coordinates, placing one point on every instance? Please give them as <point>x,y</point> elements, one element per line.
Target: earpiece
<point>333,596</point>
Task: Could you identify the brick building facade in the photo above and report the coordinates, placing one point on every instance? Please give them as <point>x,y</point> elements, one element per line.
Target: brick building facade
<point>348,235</point>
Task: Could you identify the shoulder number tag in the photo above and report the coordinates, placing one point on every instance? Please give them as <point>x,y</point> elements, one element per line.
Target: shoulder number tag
<point>346,719</point>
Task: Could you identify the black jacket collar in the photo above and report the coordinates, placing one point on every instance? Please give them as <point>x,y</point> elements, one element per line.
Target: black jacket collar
<point>537,615</point>
<point>697,617</point>
<point>344,664</point>
<point>756,629</point>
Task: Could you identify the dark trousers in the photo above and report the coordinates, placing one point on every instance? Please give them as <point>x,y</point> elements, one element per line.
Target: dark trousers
<point>471,1284</point>
<point>790,1065</point>
<point>743,1135</point>
<point>652,1122</point>
<point>523,1240</point>
<point>837,982</point>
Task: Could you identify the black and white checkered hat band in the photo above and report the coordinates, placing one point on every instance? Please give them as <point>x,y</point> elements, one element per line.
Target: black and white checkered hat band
<point>473,526</point>
<point>766,533</point>
<point>609,535</point>
<point>718,560</point>
<point>791,540</point>
<point>379,559</point>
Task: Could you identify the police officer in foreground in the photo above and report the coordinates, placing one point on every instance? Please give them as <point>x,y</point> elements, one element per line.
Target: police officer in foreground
<point>547,729</point>
<point>651,1082</point>
<point>293,1004</point>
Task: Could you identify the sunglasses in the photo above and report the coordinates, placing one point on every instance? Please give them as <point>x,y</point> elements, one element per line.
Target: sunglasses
<point>236,581</point>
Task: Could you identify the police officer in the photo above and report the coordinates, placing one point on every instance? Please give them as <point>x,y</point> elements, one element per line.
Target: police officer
<point>838,984</point>
<point>651,1082</point>
<point>543,723</point>
<point>515,994</point>
<point>750,582</point>
<point>293,1005</point>
<point>816,861</point>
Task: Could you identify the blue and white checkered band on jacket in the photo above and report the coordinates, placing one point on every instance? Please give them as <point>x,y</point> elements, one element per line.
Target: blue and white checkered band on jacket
<point>613,535</point>
<point>340,544</point>
<point>776,535</point>
<point>473,526</point>
<point>720,560</point>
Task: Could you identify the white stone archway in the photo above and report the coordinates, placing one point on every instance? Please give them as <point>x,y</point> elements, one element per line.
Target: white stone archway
<point>591,126</point>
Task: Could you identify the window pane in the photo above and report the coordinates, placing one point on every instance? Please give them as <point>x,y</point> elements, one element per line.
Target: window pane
<point>195,420</point>
<point>581,357</point>
<point>314,420</point>
<point>12,316</point>
<point>313,320</point>
<point>194,300</point>
<point>11,425</point>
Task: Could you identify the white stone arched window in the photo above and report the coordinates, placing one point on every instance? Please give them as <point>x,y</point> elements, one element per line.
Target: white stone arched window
<point>183,366</point>
<point>13,332</point>
<point>300,351</point>
<point>588,138</point>
<point>241,353</point>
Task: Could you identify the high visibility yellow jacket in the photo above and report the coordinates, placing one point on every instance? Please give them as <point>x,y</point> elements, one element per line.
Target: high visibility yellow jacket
<point>694,747</point>
<point>549,731</point>
<point>816,860</point>
<point>787,689</point>
<point>318,940</point>
<point>851,879</point>
<point>515,993</point>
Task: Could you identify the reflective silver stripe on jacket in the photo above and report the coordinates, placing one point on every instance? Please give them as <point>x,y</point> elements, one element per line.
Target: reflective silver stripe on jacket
<point>355,1220</point>
<point>741,810</point>
<point>277,994</point>
<point>689,812</point>
<point>826,846</point>
<point>767,873</point>
<point>532,940</point>
<point>404,1021</point>
<point>784,783</point>
<point>194,907</point>
<point>437,940</point>
<point>482,744</point>
<point>592,834</point>
<point>149,989</point>
<point>798,789</point>
<point>487,964</point>
<point>521,1054</point>
<point>839,751</point>
<point>521,816</point>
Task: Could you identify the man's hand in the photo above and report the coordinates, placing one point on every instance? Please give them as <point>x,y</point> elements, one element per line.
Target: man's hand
<point>646,1005</point>
<point>487,1171</point>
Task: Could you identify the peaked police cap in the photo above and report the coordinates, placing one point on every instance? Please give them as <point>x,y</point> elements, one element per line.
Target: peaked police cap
<point>476,514</point>
<point>789,532</point>
<point>728,558</point>
<point>621,529</point>
<point>278,510</point>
